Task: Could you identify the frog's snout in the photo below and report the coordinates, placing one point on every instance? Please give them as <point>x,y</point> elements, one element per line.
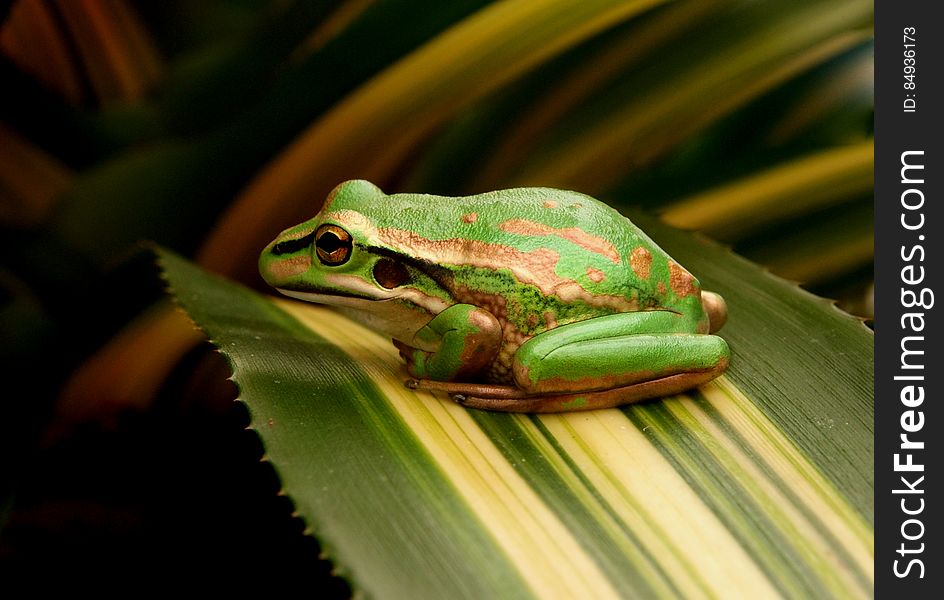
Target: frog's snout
<point>716,309</point>
<point>283,262</point>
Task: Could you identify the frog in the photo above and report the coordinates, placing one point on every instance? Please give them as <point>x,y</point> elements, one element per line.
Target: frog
<point>522,300</point>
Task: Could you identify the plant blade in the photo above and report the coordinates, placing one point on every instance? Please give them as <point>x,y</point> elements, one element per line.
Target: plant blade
<point>757,484</point>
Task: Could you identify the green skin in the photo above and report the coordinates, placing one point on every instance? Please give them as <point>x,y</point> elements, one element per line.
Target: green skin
<point>529,300</point>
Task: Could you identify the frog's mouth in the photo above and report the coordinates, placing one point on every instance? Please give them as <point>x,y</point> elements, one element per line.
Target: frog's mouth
<point>355,300</point>
<point>351,292</point>
<point>335,298</point>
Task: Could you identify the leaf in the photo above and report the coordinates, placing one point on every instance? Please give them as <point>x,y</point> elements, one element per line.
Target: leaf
<point>809,182</point>
<point>30,181</point>
<point>115,380</point>
<point>180,185</point>
<point>826,246</point>
<point>745,53</point>
<point>757,484</point>
<point>31,23</point>
<point>495,135</point>
<point>372,130</point>
<point>100,44</point>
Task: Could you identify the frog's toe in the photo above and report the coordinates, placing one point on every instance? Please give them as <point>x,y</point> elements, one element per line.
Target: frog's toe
<point>490,390</point>
<point>716,309</point>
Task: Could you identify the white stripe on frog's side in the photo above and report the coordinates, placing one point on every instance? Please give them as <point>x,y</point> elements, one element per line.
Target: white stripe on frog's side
<point>398,313</point>
<point>368,294</point>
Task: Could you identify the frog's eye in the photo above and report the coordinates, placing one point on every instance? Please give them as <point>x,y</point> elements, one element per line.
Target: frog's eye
<point>333,245</point>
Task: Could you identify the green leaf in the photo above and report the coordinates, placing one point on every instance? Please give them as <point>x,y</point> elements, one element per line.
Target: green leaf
<point>750,49</point>
<point>802,185</point>
<point>399,107</point>
<point>826,246</point>
<point>756,484</point>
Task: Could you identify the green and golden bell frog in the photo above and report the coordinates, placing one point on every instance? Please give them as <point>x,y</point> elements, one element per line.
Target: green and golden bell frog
<point>530,299</point>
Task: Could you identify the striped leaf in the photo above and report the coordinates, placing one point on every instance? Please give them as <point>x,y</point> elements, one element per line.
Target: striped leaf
<point>756,485</point>
<point>654,109</point>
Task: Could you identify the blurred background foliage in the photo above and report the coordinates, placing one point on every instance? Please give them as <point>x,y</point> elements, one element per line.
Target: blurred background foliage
<point>210,125</point>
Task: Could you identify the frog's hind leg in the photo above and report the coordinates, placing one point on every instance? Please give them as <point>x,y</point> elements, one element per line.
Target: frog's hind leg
<point>508,398</point>
<point>599,363</point>
<point>612,360</point>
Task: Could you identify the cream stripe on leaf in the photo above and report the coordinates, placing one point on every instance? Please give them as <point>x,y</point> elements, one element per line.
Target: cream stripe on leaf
<point>515,515</point>
<point>753,503</point>
<point>383,510</point>
<point>798,474</point>
<point>823,524</point>
<point>690,541</point>
<point>615,546</point>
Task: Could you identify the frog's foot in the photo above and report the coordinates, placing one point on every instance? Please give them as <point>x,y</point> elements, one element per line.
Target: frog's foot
<point>508,398</point>
<point>716,310</point>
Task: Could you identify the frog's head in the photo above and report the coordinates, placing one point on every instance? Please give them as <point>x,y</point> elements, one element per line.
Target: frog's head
<point>335,258</point>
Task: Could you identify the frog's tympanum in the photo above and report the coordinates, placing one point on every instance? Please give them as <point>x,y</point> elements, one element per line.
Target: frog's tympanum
<point>530,300</point>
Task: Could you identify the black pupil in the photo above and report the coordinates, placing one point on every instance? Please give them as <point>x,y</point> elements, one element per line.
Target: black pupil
<point>329,242</point>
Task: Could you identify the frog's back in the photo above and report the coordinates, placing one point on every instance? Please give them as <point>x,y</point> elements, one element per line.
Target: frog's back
<point>580,247</point>
<point>534,258</point>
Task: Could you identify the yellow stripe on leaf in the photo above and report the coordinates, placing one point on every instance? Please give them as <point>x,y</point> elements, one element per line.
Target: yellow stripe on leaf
<point>794,188</point>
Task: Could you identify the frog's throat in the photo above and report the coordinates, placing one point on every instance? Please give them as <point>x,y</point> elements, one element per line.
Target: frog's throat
<point>399,320</point>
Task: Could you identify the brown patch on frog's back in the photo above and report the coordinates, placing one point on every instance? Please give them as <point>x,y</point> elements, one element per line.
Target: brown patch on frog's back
<point>576,235</point>
<point>550,204</point>
<point>661,287</point>
<point>595,275</point>
<point>470,217</point>
<point>640,259</point>
<point>290,267</point>
<point>681,281</point>
<point>535,267</point>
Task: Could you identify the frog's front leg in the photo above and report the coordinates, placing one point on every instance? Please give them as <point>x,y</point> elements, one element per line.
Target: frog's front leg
<point>466,339</point>
<point>608,361</point>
